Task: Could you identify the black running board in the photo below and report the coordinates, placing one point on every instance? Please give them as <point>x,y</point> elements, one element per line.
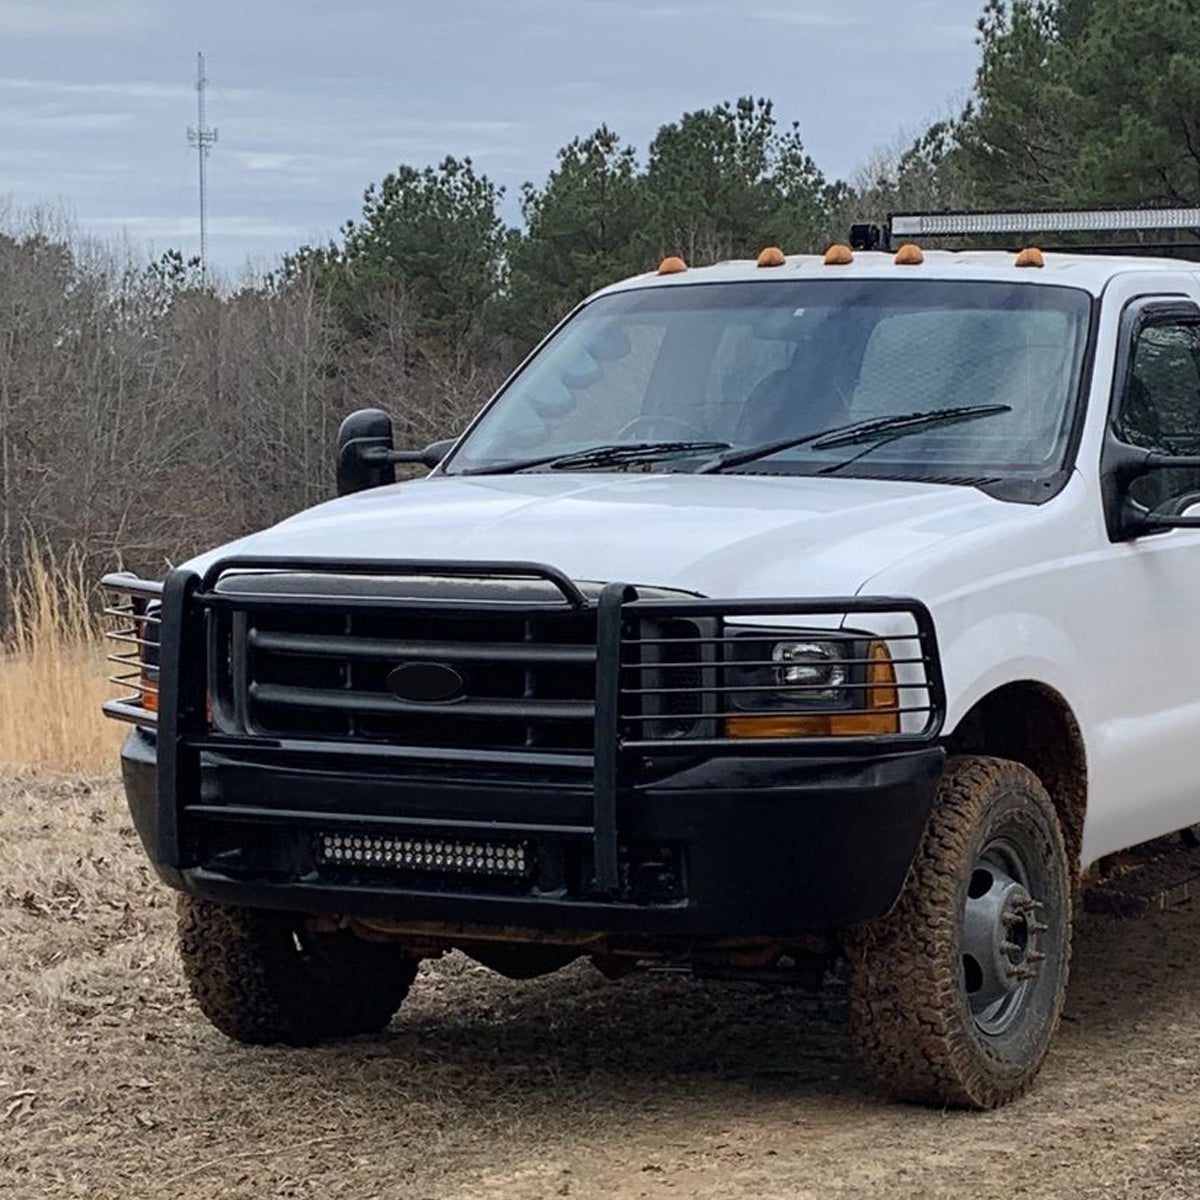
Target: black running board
<point>1159,876</point>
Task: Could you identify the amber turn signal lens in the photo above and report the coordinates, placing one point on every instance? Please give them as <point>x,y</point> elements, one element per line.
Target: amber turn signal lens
<point>881,675</point>
<point>149,694</point>
<point>839,256</point>
<point>770,727</point>
<point>828,725</point>
<point>672,265</point>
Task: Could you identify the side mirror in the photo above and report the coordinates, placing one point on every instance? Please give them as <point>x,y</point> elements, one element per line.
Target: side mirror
<point>1123,466</point>
<point>364,450</point>
<point>366,453</point>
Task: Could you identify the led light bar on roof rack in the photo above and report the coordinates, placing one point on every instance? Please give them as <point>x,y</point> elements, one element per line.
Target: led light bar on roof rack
<point>1076,221</point>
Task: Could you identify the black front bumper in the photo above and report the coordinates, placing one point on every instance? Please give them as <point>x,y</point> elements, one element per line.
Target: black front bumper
<point>727,846</point>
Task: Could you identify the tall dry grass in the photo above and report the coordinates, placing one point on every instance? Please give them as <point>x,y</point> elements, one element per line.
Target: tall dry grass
<point>52,671</point>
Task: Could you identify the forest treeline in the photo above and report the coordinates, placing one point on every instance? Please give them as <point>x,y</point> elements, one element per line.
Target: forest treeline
<point>144,415</point>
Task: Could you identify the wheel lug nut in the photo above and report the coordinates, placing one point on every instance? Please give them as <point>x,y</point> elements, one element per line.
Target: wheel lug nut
<point>1038,927</point>
<point>1009,948</point>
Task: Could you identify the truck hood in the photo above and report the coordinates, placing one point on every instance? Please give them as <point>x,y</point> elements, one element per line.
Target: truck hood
<point>718,535</point>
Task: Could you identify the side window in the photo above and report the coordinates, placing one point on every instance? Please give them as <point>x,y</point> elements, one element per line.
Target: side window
<point>1161,407</point>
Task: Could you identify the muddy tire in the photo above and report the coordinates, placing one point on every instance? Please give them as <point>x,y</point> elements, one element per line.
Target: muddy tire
<point>260,977</point>
<point>956,993</point>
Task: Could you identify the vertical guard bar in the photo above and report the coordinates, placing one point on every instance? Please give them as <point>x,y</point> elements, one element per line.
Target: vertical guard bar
<point>609,620</point>
<point>934,680</point>
<point>179,659</point>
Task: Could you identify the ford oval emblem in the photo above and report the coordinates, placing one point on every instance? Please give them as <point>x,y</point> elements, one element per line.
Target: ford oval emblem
<point>425,682</point>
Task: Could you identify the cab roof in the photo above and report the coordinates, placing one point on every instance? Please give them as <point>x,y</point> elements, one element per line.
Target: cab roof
<point>1088,272</point>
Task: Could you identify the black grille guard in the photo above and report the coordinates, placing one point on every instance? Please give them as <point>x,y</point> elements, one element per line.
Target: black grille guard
<point>630,683</point>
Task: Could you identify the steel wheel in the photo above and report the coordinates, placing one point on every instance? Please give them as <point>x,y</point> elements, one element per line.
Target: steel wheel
<point>1002,938</point>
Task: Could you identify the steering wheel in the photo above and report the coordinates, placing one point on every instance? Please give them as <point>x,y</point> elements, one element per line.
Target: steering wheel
<point>652,419</point>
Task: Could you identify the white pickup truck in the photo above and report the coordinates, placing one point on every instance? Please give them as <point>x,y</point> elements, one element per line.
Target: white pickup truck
<point>773,616</point>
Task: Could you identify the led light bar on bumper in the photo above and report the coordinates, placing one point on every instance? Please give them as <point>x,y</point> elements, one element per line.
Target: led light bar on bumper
<point>454,856</point>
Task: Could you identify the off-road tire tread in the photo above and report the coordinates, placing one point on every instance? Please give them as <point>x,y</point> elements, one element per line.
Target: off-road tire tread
<point>904,979</point>
<point>246,975</point>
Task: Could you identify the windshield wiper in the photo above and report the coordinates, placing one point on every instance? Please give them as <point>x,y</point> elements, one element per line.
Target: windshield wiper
<point>875,429</point>
<point>612,455</point>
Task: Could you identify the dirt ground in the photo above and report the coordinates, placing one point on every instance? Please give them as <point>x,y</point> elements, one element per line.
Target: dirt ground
<point>112,1085</point>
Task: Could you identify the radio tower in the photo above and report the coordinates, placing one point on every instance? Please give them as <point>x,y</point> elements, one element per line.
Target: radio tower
<point>203,139</point>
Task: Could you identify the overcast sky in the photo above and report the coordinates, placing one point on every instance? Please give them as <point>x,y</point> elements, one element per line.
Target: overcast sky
<point>314,99</point>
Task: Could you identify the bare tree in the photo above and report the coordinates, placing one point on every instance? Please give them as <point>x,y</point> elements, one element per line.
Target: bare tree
<point>144,417</point>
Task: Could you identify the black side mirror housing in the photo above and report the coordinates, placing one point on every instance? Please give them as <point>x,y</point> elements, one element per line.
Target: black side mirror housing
<point>364,450</point>
<point>366,453</point>
<point>1124,465</point>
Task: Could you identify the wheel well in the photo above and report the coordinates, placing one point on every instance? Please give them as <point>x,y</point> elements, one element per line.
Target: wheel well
<point>1032,724</point>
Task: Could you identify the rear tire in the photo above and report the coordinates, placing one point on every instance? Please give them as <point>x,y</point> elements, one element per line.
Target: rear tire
<point>261,976</point>
<point>956,993</point>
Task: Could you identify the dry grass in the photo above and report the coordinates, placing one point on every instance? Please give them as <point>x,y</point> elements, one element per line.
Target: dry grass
<point>52,672</point>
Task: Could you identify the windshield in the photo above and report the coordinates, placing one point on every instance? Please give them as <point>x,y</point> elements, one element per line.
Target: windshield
<point>749,364</point>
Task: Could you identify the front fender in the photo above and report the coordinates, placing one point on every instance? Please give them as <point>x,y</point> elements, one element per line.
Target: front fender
<point>980,656</point>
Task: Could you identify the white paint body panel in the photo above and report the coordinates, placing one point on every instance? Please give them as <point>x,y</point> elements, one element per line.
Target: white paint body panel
<point>1017,592</point>
<point>720,535</point>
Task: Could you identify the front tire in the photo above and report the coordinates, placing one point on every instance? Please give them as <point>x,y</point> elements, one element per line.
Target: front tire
<point>262,977</point>
<point>956,993</point>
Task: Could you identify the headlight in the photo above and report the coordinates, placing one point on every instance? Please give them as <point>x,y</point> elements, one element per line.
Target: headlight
<point>766,672</point>
<point>821,686</point>
<point>818,667</point>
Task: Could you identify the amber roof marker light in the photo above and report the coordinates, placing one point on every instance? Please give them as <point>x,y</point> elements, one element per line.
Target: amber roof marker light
<point>839,255</point>
<point>672,265</point>
<point>771,256</point>
<point>1031,257</point>
<point>910,255</point>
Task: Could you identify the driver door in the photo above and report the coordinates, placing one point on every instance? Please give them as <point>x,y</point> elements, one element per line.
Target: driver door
<point>1147,670</point>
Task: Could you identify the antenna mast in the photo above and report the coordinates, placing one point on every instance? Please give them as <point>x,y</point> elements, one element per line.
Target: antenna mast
<point>203,139</point>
